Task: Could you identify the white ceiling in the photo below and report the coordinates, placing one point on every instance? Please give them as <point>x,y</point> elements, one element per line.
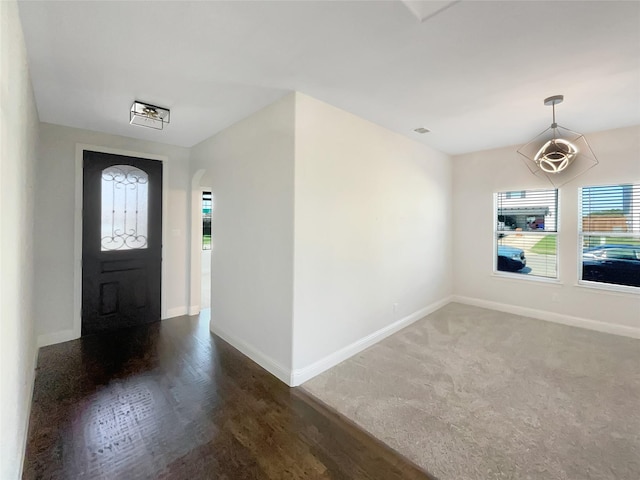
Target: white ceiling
<point>473,72</point>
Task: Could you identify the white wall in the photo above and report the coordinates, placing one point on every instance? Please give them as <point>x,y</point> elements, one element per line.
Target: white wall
<point>249,167</point>
<point>372,229</point>
<point>54,229</point>
<point>478,175</point>
<point>18,150</point>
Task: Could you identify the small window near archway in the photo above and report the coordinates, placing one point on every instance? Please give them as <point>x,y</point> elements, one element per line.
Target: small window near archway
<point>207,206</point>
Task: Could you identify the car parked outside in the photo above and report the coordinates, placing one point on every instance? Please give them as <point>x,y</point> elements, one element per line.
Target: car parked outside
<point>617,264</point>
<point>510,259</point>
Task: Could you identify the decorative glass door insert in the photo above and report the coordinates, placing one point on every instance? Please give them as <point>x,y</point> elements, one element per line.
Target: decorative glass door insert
<point>125,196</point>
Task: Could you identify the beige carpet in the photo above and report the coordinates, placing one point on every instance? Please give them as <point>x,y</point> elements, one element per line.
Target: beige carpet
<point>473,394</point>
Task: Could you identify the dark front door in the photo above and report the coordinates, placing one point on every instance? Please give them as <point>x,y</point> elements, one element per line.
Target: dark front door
<point>121,241</point>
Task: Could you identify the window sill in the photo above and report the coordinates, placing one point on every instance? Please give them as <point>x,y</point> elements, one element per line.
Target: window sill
<point>609,288</point>
<point>526,278</point>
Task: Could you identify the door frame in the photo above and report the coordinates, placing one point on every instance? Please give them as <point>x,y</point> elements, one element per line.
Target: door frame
<point>77,242</point>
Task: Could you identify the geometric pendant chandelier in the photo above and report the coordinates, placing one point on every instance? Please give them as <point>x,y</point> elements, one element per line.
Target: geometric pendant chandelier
<point>558,154</point>
<point>147,115</point>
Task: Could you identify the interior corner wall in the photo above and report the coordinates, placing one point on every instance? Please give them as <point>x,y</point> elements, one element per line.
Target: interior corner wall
<point>18,151</point>
<point>54,228</point>
<point>372,234</point>
<point>250,167</point>
<point>478,175</point>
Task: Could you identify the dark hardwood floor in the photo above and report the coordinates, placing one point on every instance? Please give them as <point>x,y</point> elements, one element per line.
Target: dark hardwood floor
<point>172,401</point>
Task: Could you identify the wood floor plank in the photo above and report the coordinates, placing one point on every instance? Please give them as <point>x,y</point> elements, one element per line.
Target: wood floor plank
<point>172,401</point>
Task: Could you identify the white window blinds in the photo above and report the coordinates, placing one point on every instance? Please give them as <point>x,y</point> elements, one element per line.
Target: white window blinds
<point>526,232</point>
<point>610,234</point>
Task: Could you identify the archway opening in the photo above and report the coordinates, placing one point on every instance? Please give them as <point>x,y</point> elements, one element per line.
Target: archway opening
<point>202,242</point>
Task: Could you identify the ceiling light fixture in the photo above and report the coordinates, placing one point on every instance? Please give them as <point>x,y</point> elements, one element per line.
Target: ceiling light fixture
<point>559,154</point>
<point>421,130</point>
<point>146,115</point>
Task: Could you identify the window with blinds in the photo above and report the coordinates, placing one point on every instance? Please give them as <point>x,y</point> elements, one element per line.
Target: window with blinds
<point>207,207</point>
<point>526,231</point>
<point>610,234</point>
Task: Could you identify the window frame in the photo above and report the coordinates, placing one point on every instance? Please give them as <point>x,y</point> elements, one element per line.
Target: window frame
<point>603,286</point>
<point>540,233</point>
<point>203,216</point>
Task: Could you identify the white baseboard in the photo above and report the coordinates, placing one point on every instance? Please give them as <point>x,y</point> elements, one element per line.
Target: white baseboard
<point>56,337</point>
<point>596,325</point>
<point>66,335</point>
<point>280,372</point>
<point>194,310</point>
<point>301,375</point>
<point>176,312</point>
